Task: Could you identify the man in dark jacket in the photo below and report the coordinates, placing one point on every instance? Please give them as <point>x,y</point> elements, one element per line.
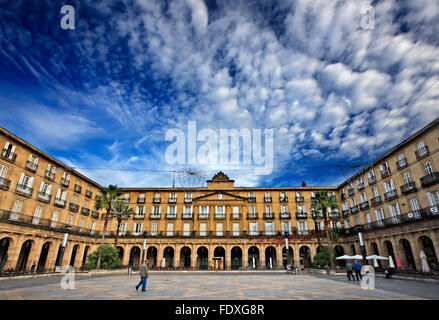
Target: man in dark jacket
<point>143,275</point>
<point>357,268</point>
<point>349,269</point>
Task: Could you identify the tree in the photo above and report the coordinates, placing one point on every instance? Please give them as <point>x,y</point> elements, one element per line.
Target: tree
<point>105,201</point>
<point>321,203</point>
<point>120,211</point>
<point>314,216</point>
<point>323,258</point>
<point>110,257</point>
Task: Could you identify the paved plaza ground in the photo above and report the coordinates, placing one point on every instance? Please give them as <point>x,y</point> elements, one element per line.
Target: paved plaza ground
<point>215,286</point>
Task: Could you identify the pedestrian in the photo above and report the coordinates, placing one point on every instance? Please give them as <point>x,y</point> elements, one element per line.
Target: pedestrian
<point>349,269</point>
<point>143,275</point>
<point>357,268</point>
<point>32,269</point>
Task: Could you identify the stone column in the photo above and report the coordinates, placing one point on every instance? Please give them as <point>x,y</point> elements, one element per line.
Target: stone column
<point>160,252</point>
<point>228,257</point>
<point>434,236</point>
<point>279,260</point>
<point>245,255</point>
<point>53,252</point>
<point>296,255</point>
<point>262,254</point>
<point>194,257</point>
<point>413,238</point>
<point>177,255</point>
<point>210,255</point>
<point>126,255</point>
<point>14,252</point>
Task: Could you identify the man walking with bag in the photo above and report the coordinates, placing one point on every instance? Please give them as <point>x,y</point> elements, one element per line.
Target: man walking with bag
<point>357,268</point>
<point>349,270</point>
<point>143,275</point>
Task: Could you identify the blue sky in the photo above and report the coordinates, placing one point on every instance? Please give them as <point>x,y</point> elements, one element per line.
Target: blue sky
<point>104,94</point>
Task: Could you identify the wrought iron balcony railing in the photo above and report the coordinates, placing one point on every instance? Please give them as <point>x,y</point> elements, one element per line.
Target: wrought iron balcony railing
<point>8,155</point>
<point>408,187</point>
<point>301,215</point>
<point>43,196</point>
<point>88,194</point>
<point>24,190</point>
<point>85,211</point>
<point>345,213</point>
<point>95,214</point>
<point>203,216</point>
<point>187,200</point>
<point>283,199</point>
<point>251,199</point>
<point>300,199</point>
<point>4,184</point>
<point>268,215</point>
<point>60,203</point>
<point>354,209</point>
<point>77,188</point>
<point>73,207</point>
<point>154,216</point>
<point>156,200</point>
<point>360,186</point>
<point>285,215</point>
<point>32,167</point>
<point>65,182</point>
<point>392,194</point>
<point>343,196</point>
<point>220,216</point>
<point>385,173</point>
<point>235,216</point>
<point>430,179</point>
<point>401,163</point>
<point>375,201</point>
<point>267,199</point>
<point>171,216</point>
<point>187,216</point>
<point>364,205</point>
<point>252,216</point>
<point>49,175</point>
<point>172,200</point>
<point>140,200</point>
<point>372,180</point>
<point>351,191</point>
<point>422,152</point>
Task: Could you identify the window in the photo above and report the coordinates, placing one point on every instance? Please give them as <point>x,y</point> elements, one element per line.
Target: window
<point>154,229</point>
<point>357,220</point>
<point>415,207</point>
<point>204,211</point>
<point>126,197</point>
<point>122,229</point>
<point>253,227</point>
<point>301,209</point>
<point>3,171</point>
<point>137,228</point>
<point>302,227</point>
<point>203,229</point>
<point>156,211</point>
<point>368,219</point>
<point>140,211</point>
<point>268,209</point>
<point>283,209</point>
<point>353,202</point>
<point>363,197</point>
<point>428,168</point>
<point>81,224</point>
<point>235,212</point>
<point>92,226</point>
<point>269,228</point>
<point>219,229</point>
<point>236,229</point>
<point>157,197</point>
<point>172,212</point>
<point>344,206</point>
<point>54,219</point>
<point>433,201</point>
<point>187,212</point>
<point>394,212</point>
<point>187,229</point>
<point>375,192</point>
<point>37,214</point>
<point>16,210</point>
<point>346,224</point>
<point>69,220</point>
<point>74,199</point>
<point>282,196</point>
<point>142,197</point>
<point>251,209</point>
<point>421,148</point>
<point>188,196</point>
<point>286,228</point>
<point>173,197</point>
<point>220,211</point>
<point>406,177</point>
<point>8,151</point>
<point>85,203</point>
<point>170,230</point>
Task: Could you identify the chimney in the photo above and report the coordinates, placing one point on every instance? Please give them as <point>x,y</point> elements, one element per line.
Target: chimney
<point>303,184</point>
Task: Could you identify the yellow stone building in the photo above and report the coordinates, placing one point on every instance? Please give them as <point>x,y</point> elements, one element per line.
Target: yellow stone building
<point>219,226</point>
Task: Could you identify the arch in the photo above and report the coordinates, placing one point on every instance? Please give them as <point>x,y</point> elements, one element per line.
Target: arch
<point>84,256</point>
<point>426,244</point>
<point>375,250</point>
<point>202,258</point>
<point>353,250</point>
<point>24,255</point>
<point>185,257</point>
<point>41,266</point>
<point>305,256</point>
<point>5,243</point>
<point>134,256</point>
<point>58,261</point>
<point>389,250</point>
<point>168,257</point>
<point>339,251</point>
<point>408,254</point>
<point>73,256</point>
<point>236,257</point>
<point>253,257</point>
<point>270,256</point>
<point>319,248</point>
<point>219,258</point>
<point>121,252</point>
<point>285,256</point>
<point>151,255</point>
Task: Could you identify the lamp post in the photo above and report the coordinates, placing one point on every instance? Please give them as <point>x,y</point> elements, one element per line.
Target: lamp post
<point>287,249</point>
<point>145,234</point>
<point>359,229</point>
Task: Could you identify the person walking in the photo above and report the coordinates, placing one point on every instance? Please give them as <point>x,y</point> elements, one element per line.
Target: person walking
<point>32,269</point>
<point>349,271</point>
<point>357,268</point>
<point>143,276</point>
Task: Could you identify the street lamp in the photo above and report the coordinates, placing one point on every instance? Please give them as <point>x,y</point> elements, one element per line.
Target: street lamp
<point>359,229</point>
<point>145,234</point>
<point>287,249</point>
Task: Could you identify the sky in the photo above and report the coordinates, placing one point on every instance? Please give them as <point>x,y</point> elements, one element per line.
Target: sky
<point>338,82</point>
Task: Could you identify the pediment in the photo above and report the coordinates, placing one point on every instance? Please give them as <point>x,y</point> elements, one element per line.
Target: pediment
<point>220,196</point>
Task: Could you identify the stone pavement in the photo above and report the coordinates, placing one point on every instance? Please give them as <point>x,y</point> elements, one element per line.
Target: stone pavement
<point>199,286</point>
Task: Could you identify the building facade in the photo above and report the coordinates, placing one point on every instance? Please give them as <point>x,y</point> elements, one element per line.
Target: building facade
<point>219,226</point>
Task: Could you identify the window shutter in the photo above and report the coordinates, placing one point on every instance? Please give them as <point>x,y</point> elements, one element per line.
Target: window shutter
<point>31,182</point>
<point>12,152</point>
<point>64,195</point>
<point>41,186</point>
<point>49,189</point>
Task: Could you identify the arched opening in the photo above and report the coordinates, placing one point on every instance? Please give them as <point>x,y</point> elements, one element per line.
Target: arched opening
<point>408,254</point>
<point>41,266</point>
<point>185,257</point>
<point>4,247</point>
<point>73,257</point>
<point>134,257</point>
<point>339,251</point>
<point>305,256</point>
<point>58,256</point>
<point>219,258</point>
<point>253,257</point>
<point>270,257</point>
<point>24,255</point>
<point>376,251</point>
<point>168,257</point>
<point>389,248</point>
<point>84,256</point>
<point>121,252</point>
<point>202,258</point>
<point>428,247</point>
<point>285,256</point>
<point>236,256</point>
<point>319,248</point>
<point>353,251</point>
<point>151,254</point>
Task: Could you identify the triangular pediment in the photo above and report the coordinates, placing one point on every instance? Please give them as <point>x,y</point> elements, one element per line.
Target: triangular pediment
<point>220,196</point>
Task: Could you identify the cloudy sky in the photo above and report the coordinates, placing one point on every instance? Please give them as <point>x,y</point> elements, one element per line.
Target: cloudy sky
<point>339,82</point>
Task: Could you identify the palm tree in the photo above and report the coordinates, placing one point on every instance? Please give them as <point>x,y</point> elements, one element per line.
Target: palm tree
<point>321,203</point>
<point>105,201</point>
<point>120,211</point>
<point>314,216</point>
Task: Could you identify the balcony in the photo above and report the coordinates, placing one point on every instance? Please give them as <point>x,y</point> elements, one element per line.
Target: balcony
<point>156,200</point>
<point>392,194</point>
<point>408,188</point>
<point>49,175</point>
<point>372,180</point>
<point>44,197</point>
<point>154,216</point>
<point>139,216</point>
<point>252,216</point>
<point>172,200</point>
<point>203,216</point>
<point>8,155</point>
<point>171,216</point>
<point>300,199</point>
<point>88,194</point>
<point>251,199</point>
<point>285,215</point>
<point>126,199</point>
<point>85,211</point>
<point>268,215</point>
<point>301,215</point>
<point>220,216</point>
<point>140,200</point>
<point>32,167</point>
<point>187,216</point>
<point>4,184</point>
<point>77,188</point>
<point>24,190</point>
<point>343,196</point>
<point>385,173</point>
<point>430,179</point>
<point>95,214</point>
<point>375,201</point>
<point>60,203</point>
<point>360,186</point>
<point>351,191</point>
<point>267,199</point>
<point>187,200</point>
<point>236,216</point>
<point>354,209</point>
<point>345,213</point>
<point>65,182</point>
<point>334,215</point>
<point>364,205</point>
<point>421,153</point>
<point>283,199</point>
<point>401,164</point>
<point>73,207</point>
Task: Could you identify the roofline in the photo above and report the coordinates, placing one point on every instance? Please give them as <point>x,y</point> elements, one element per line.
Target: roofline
<point>10,135</point>
<point>421,131</point>
<point>229,189</point>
